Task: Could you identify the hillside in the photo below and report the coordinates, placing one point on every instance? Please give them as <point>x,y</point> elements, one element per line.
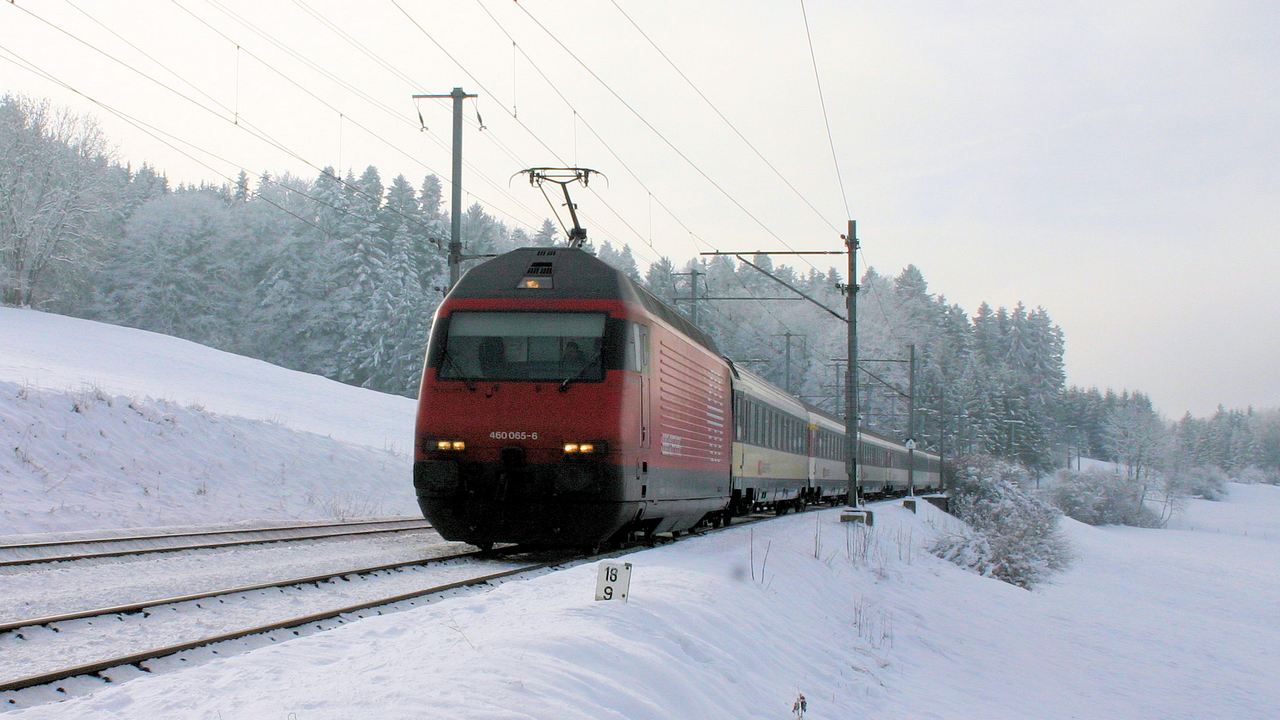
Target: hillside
<point>107,426</point>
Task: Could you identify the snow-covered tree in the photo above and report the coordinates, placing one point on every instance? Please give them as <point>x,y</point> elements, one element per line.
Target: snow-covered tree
<point>55,184</point>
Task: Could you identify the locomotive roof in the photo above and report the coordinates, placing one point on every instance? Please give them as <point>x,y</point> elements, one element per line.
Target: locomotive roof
<point>575,274</point>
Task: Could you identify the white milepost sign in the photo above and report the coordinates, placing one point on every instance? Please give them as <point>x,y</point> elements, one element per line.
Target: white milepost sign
<point>614,581</point>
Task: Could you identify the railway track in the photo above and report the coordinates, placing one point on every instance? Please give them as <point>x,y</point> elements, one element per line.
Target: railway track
<point>293,625</point>
<point>22,553</point>
<point>14,633</point>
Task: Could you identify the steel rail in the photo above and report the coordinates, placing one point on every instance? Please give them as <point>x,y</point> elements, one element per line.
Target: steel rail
<point>136,659</point>
<point>201,546</point>
<point>144,604</point>
<point>156,653</point>
<point>202,533</point>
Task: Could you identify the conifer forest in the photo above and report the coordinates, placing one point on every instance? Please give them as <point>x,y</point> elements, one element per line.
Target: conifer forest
<point>339,274</point>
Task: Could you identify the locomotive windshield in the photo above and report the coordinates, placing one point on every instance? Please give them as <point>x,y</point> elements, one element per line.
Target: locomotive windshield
<point>523,346</point>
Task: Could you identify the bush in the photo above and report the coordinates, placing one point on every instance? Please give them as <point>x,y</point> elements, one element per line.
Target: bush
<point>1012,535</point>
<point>1203,481</point>
<point>1254,475</point>
<point>1098,497</point>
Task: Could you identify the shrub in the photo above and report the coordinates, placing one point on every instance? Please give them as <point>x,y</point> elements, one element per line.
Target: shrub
<point>1098,497</point>
<point>1203,481</point>
<point>1254,475</point>
<point>1012,535</point>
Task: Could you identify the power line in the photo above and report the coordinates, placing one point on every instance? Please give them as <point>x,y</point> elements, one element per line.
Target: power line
<point>153,132</point>
<point>238,122</point>
<point>651,127</point>
<point>397,115</point>
<point>722,116</point>
<point>156,133</point>
<point>697,240</point>
<point>835,160</point>
<point>518,121</point>
<point>578,116</point>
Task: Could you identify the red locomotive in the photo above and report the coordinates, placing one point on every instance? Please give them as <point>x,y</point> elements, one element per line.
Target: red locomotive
<point>563,404</point>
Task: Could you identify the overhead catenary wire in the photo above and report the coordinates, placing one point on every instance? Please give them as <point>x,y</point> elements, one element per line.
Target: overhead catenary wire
<point>825,117</point>
<point>609,148</point>
<point>693,235</point>
<point>697,168</point>
<point>156,133</point>
<point>518,121</point>
<point>235,111</point>
<point>356,90</point>
<point>160,135</point>
<point>764,305</point>
<point>723,118</point>
<point>395,114</point>
<point>243,124</point>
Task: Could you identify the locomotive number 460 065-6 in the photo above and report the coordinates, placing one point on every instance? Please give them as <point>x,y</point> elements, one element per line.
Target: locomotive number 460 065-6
<point>512,435</point>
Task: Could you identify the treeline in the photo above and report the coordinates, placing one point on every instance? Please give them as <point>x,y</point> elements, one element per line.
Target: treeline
<point>1125,428</point>
<point>340,275</point>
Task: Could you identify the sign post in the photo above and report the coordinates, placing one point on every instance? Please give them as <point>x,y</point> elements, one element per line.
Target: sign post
<point>613,581</point>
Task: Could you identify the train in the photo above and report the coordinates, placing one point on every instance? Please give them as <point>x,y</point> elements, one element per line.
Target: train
<point>563,404</point>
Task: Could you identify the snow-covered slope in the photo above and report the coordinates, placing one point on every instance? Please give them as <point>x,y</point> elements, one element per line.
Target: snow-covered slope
<point>61,353</point>
<point>104,427</point>
<point>1147,624</point>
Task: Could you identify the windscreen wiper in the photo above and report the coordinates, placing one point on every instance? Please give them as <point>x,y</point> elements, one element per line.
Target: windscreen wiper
<point>565,385</point>
<point>471,384</point>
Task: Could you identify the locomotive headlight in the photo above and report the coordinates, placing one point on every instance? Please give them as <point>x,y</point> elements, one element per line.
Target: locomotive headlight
<point>570,448</point>
<point>444,445</point>
<point>586,448</point>
<point>459,445</point>
<point>451,445</point>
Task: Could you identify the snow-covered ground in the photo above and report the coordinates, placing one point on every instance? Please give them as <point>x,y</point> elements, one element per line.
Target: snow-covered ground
<point>55,352</point>
<point>1147,624</point>
<point>105,427</point>
<point>1174,623</point>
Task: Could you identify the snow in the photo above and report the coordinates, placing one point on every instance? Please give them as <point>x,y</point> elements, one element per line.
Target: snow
<point>87,444</point>
<point>1147,624</point>
<point>1170,623</point>
<point>60,353</point>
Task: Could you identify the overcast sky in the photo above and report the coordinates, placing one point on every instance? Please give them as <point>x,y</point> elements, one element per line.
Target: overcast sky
<point>1114,162</point>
